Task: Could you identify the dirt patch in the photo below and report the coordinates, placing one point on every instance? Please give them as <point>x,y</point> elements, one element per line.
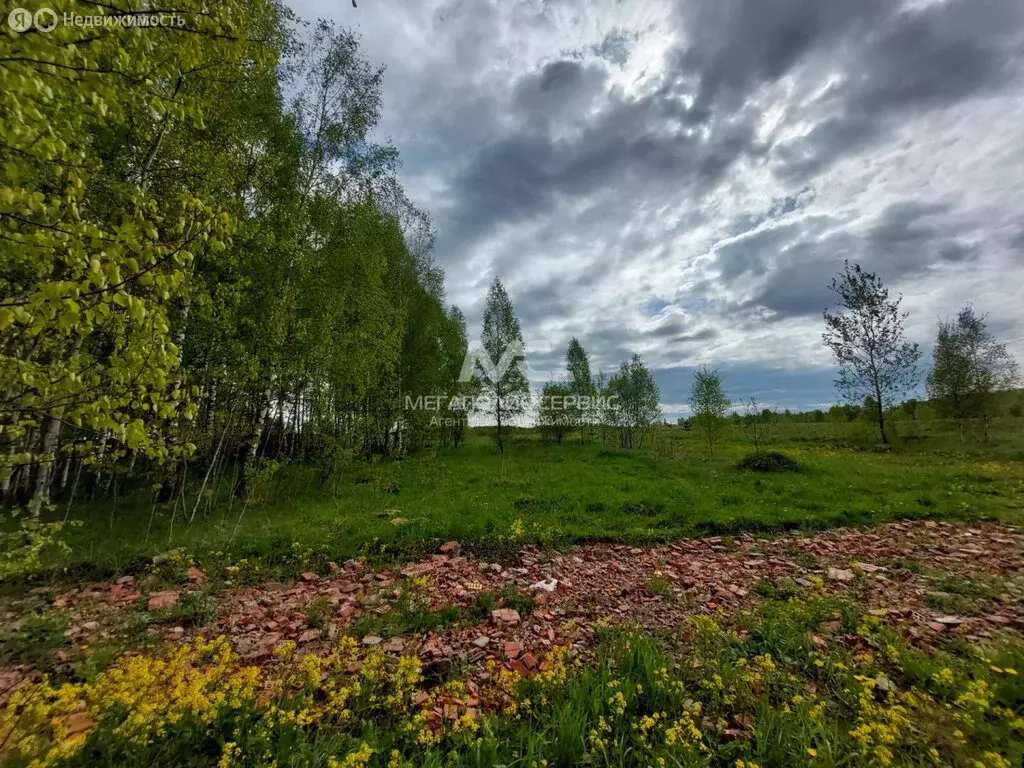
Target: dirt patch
<point>934,580</point>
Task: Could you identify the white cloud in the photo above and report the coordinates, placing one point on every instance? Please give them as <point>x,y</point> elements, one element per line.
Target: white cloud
<point>725,176</point>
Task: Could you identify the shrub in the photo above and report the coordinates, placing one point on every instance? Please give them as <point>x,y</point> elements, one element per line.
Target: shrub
<point>319,611</point>
<point>768,462</point>
<point>173,566</point>
<point>23,543</point>
<point>659,586</point>
<point>259,478</point>
<point>196,609</point>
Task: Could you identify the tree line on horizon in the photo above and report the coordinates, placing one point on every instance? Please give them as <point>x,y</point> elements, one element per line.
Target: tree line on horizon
<point>876,364</point>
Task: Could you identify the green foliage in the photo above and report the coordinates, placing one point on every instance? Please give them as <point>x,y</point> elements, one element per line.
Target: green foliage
<point>804,681</point>
<point>660,586</point>
<point>248,571</point>
<point>506,597</point>
<point>902,564</point>
<point>409,613</point>
<point>318,611</point>
<point>259,477</point>
<point>193,270</point>
<point>453,419</point>
<point>632,402</point>
<point>517,600</point>
<point>26,543</point>
<point>576,493</point>
<point>554,418</point>
<point>957,595</point>
<point>759,424</point>
<point>196,608</point>
<point>506,385</point>
<point>955,604</point>
<point>585,409</point>
<point>708,404</point>
<point>768,462</point>
<point>96,253</point>
<point>172,566</point>
<point>958,585</point>
<point>866,337</point>
<point>969,366</point>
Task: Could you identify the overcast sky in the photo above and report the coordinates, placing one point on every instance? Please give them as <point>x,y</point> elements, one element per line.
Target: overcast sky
<point>681,179</point>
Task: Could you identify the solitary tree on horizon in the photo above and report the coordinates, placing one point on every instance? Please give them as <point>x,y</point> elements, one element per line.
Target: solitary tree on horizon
<point>758,423</point>
<point>709,403</point>
<point>507,388</point>
<point>866,337</point>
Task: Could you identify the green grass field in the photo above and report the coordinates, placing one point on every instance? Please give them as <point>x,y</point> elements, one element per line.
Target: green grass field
<point>780,672</point>
<point>571,493</point>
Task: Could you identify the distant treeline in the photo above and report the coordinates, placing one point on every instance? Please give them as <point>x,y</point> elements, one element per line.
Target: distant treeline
<point>1005,404</point>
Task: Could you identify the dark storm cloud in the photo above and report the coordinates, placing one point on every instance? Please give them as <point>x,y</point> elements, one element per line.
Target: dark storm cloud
<point>907,238</point>
<point>798,290</point>
<point>607,347</point>
<point>942,53</point>
<point>723,156</point>
<point>1016,243</point>
<point>630,146</point>
<point>559,89</point>
<point>751,254</point>
<point>892,61</point>
<point>778,208</point>
<point>736,45</point>
<point>670,329</point>
<point>797,242</point>
<point>934,56</point>
<point>912,235</point>
<point>545,366</point>
<point>548,300</point>
<point>695,337</point>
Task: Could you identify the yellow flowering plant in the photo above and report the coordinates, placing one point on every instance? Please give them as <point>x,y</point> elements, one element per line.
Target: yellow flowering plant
<point>872,699</point>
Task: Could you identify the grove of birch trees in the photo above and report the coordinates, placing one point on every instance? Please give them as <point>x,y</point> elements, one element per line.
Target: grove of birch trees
<point>207,264</point>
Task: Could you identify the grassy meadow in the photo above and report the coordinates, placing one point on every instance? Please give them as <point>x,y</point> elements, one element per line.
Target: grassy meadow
<point>782,672</point>
<point>570,493</point>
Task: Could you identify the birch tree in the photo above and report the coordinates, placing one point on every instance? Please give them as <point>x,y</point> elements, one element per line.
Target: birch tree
<point>708,404</point>
<point>581,385</point>
<point>868,342</point>
<point>968,367</point>
<point>505,384</point>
